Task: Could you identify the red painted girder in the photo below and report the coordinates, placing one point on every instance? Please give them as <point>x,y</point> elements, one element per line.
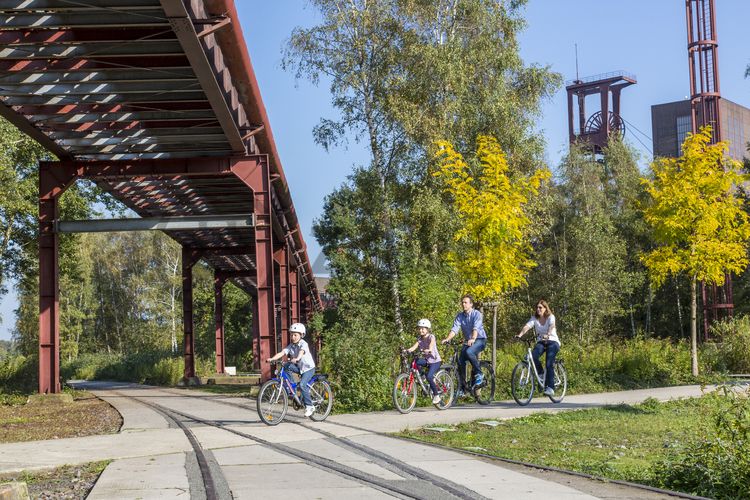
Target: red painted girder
<point>93,63</point>
<point>8,37</point>
<point>64,109</point>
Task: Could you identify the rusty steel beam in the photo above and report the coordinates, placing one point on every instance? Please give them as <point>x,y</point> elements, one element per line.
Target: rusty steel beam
<point>219,321</point>
<point>24,126</point>
<point>216,91</point>
<point>256,175</point>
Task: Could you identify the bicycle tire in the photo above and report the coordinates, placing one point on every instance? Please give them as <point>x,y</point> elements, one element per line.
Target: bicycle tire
<point>270,396</point>
<point>453,372</point>
<point>484,393</point>
<point>404,397</point>
<point>322,399</point>
<point>445,384</point>
<point>561,382</point>
<point>522,382</point>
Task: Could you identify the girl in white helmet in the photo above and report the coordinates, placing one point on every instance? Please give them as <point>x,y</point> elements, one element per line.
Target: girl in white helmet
<point>300,361</point>
<point>430,355</point>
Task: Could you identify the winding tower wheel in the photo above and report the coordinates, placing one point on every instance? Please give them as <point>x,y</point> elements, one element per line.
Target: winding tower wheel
<point>594,124</point>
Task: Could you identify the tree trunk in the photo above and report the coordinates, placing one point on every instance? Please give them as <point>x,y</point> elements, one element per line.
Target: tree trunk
<point>693,327</point>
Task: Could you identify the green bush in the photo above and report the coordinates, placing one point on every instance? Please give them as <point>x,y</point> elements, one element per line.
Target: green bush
<point>153,367</point>
<point>733,344</point>
<point>19,375</point>
<point>717,463</point>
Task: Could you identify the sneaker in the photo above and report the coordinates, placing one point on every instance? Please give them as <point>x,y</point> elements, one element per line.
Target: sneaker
<point>309,410</point>
<point>549,391</point>
<point>479,379</point>
<point>459,394</point>
<point>436,399</point>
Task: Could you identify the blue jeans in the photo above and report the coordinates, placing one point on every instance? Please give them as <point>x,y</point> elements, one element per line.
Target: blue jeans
<point>303,381</point>
<point>470,354</point>
<point>552,349</point>
<point>432,369</point>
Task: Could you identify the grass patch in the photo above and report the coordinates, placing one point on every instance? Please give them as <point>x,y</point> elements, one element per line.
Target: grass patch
<point>85,416</point>
<point>619,442</point>
<point>70,481</point>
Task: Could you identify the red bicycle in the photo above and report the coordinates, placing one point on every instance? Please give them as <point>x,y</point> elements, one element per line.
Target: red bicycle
<point>411,378</point>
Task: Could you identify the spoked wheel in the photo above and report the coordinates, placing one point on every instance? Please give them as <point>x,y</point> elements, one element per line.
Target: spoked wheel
<point>404,393</point>
<point>561,382</point>
<point>272,403</point>
<point>484,393</point>
<point>522,383</point>
<point>444,382</point>
<point>322,399</point>
<point>453,374</point>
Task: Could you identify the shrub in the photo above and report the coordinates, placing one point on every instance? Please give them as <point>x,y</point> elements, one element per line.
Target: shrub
<point>717,463</point>
<point>19,374</point>
<point>733,336</point>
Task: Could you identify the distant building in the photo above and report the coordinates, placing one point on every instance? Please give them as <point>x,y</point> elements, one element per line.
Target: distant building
<point>670,123</point>
<point>322,275</point>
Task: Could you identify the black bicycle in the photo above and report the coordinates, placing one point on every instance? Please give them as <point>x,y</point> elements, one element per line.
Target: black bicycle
<point>483,393</point>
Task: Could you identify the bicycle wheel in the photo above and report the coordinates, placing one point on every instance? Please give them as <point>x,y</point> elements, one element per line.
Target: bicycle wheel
<point>561,382</point>
<point>322,399</point>
<point>444,382</point>
<point>522,383</point>
<point>484,393</point>
<point>272,403</point>
<point>404,397</point>
<point>453,373</point>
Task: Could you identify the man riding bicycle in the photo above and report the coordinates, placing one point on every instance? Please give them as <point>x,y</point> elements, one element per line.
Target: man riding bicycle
<point>475,339</point>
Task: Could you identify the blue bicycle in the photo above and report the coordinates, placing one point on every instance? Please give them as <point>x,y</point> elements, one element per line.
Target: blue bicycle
<point>273,398</point>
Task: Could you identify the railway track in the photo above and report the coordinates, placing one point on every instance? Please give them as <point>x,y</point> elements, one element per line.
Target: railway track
<point>415,482</point>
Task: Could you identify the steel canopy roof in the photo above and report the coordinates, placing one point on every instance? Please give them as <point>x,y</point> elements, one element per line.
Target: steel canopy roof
<point>129,80</point>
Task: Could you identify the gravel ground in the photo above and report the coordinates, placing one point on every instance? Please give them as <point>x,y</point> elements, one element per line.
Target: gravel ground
<point>70,482</point>
<point>85,416</point>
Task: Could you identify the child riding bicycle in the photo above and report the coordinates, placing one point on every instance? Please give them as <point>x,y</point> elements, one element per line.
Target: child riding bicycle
<point>431,357</point>
<point>300,362</point>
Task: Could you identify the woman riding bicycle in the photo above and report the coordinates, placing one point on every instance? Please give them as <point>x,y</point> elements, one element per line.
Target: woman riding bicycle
<point>300,361</point>
<point>543,323</point>
<point>475,339</point>
<point>431,357</point>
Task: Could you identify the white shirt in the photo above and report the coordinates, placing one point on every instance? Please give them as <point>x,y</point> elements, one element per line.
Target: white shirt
<point>305,363</point>
<point>548,328</point>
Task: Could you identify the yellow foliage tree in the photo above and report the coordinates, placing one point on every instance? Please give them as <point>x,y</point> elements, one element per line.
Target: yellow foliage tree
<point>697,219</point>
<point>493,254</point>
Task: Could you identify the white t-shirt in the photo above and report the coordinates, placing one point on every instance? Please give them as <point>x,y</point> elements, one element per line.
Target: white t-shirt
<point>548,328</point>
<point>306,362</point>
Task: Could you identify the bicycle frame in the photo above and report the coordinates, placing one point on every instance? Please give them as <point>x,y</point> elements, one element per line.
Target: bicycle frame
<point>287,382</point>
<point>414,373</point>
<point>529,358</point>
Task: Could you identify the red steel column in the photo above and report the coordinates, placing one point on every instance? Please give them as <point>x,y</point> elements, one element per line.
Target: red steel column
<point>219,318</point>
<point>254,173</point>
<point>281,256</point>
<point>53,181</point>
<point>189,258</point>
<point>293,296</point>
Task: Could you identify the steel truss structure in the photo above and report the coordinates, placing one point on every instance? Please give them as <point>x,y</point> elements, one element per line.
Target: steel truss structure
<point>157,103</point>
<point>705,93</point>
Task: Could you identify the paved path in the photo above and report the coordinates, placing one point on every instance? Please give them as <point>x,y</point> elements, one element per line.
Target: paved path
<point>153,458</point>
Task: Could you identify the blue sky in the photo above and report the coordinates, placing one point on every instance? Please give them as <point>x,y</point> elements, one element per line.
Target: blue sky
<point>644,37</point>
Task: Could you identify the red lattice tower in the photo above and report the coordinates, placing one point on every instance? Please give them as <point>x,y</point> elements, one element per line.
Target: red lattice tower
<point>704,103</point>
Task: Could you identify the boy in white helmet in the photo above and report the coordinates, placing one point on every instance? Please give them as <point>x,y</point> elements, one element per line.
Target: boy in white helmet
<point>300,361</point>
<point>430,355</point>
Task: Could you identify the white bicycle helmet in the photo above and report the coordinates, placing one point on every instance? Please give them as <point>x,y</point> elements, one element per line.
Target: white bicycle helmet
<point>298,328</point>
<point>424,323</point>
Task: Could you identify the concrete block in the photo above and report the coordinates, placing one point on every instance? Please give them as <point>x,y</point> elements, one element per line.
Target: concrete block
<point>15,490</point>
